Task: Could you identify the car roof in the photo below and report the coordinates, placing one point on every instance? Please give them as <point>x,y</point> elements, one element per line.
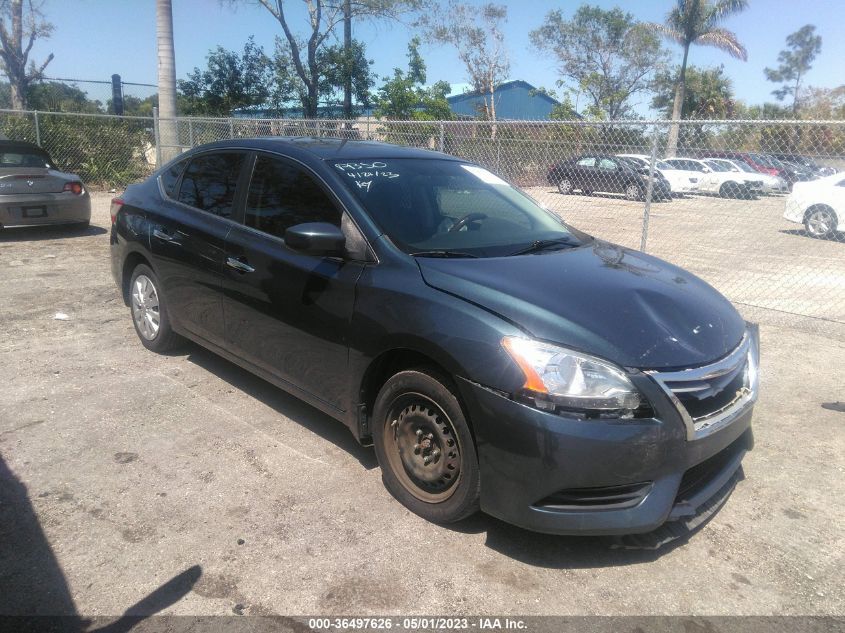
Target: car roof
<point>6,145</point>
<point>328,148</point>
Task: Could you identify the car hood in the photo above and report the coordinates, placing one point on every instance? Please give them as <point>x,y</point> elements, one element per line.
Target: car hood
<point>625,306</point>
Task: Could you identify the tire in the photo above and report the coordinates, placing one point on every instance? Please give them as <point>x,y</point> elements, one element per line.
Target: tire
<point>149,312</point>
<point>730,190</point>
<point>564,186</point>
<point>425,448</point>
<point>819,222</point>
<point>633,191</point>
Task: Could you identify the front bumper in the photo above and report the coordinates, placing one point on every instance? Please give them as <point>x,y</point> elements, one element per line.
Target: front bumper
<point>44,208</point>
<point>528,456</point>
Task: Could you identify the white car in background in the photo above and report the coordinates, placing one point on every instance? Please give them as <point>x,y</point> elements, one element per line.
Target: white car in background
<point>718,179</point>
<point>771,184</point>
<point>681,181</point>
<point>818,204</point>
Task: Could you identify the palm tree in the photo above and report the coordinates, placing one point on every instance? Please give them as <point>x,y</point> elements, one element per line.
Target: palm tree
<point>166,81</point>
<point>697,22</point>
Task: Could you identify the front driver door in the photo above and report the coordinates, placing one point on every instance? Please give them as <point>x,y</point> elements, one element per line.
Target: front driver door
<point>285,311</point>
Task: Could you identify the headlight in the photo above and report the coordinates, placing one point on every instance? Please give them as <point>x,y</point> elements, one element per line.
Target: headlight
<point>571,379</point>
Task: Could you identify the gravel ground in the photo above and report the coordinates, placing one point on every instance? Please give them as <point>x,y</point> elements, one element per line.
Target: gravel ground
<point>122,470</point>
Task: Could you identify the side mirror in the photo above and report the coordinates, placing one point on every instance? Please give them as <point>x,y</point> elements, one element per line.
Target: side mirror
<point>316,238</point>
<point>706,170</point>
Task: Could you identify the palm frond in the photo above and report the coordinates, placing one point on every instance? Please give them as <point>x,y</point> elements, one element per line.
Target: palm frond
<point>663,29</point>
<point>724,40</point>
<point>721,9</point>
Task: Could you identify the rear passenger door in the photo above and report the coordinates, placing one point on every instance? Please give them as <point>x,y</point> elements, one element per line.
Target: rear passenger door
<point>187,236</point>
<point>288,312</point>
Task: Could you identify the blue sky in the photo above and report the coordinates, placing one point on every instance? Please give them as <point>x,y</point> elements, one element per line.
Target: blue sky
<point>95,38</point>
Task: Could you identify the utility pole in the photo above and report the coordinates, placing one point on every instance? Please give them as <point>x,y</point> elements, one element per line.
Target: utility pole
<point>347,52</point>
<point>166,80</point>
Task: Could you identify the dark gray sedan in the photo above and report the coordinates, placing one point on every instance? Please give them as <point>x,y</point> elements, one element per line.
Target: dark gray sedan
<point>33,191</point>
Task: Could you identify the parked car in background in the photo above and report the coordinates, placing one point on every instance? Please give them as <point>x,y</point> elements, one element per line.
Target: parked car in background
<point>680,181</point>
<point>770,184</point>
<point>808,163</point>
<point>606,173</point>
<point>34,192</point>
<point>718,180</point>
<point>495,357</point>
<point>819,205</point>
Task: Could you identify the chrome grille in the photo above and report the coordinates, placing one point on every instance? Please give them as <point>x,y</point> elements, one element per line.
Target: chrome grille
<point>712,396</point>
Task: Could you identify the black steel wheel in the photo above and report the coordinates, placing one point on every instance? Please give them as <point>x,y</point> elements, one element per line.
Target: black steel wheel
<point>425,448</point>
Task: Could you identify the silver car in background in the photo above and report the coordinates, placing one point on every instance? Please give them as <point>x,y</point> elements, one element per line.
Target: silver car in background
<point>34,192</point>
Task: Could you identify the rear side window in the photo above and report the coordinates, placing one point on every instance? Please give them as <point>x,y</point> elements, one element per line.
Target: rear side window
<point>209,183</point>
<point>170,177</point>
<point>282,195</point>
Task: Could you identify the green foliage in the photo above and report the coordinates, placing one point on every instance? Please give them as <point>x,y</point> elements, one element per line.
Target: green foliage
<point>103,152</point>
<point>709,93</point>
<point>603,54</point>
<point>795,62</point>
<point>230,81</point>
<point>404,96</point>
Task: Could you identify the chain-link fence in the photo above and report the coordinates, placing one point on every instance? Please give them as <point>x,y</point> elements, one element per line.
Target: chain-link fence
<point>753,207</point>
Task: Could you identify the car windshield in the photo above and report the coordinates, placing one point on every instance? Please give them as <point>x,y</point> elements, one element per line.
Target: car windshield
<point>662,164</point>
<point>24,158</point>
<point>441,207</point>
<point>634,163</point>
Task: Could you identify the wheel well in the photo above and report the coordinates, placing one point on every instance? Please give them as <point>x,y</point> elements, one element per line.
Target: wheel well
<point>129,264</point>
<point>389,363</point>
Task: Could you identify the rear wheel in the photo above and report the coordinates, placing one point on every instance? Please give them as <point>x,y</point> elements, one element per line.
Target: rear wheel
<point>820,222</point>
<point>633,191</point>
<point>425,448</point>
<point>149,312</point>
<point>564,186</point>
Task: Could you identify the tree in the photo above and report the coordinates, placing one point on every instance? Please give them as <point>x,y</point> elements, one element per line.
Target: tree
<point>603,54</point>
<point>697,22</point>
<point>323,18</point>
<point>404,97</point>
<point>709,93</point>
<point>476,34</point>
<point>14,54</point>
<point>795,63</point>
<point>230,81</point>
<point>168,133</point>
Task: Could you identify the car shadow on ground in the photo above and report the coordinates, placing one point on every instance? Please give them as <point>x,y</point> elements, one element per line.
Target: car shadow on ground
<point>54,232</point>
<point>285,404</point>
<point>836,237</point>
<point>34,585</point>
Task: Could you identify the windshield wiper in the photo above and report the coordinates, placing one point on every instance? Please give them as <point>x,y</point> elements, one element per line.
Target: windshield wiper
<point>542,245</point>
<point>443,254</point>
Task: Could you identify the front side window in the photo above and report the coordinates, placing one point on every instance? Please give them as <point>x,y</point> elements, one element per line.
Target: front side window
<point>282,195</point>
<point>432,207</point>
<point>587,162</point>
<point>210,181</point>
<point>606,163</point>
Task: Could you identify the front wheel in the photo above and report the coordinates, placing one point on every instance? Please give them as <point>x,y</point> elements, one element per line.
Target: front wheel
<point>820,222</point>
<point>425,448</point>
<point>565,186</point>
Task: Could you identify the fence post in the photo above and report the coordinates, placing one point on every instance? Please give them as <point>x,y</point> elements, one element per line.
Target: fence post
<point>191,132</point>
<point>37,129</point>
<point>442,135</point>
<point>649,190</point>
<point>156,137</point>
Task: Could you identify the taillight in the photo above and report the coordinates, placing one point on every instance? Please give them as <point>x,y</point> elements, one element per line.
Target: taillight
<point>74,187</point>
<point>116,205</point>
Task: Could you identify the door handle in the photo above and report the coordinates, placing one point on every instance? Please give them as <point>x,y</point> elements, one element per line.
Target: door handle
<point>241,267</point>
<point>164,237</point>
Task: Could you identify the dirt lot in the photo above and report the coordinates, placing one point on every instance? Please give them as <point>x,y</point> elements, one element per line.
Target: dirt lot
<point>122,470</point>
